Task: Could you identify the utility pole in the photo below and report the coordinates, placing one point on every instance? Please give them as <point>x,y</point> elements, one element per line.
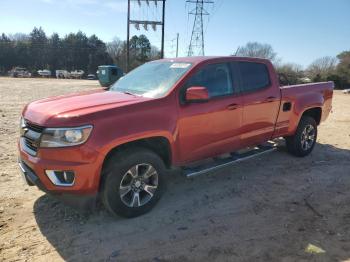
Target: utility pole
<point>145,23</point>
<point>163,22</point>
<point>128,40</point>
<point>196,46</point>
<point>177,45</point>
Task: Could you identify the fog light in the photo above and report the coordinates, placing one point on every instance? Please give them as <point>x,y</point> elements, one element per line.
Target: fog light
<point>61,178</point>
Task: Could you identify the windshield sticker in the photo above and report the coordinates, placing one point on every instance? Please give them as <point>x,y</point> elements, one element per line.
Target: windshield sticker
<point>180,65</point>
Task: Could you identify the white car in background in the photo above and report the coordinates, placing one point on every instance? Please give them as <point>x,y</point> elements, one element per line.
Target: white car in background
<point>62,74</point>
<point>44,73</point>
<point>19,72</point>
<point>73,74</point>
<point>77,74</point>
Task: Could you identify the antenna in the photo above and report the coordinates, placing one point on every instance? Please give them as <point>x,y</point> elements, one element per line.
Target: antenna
<point>197,38</point>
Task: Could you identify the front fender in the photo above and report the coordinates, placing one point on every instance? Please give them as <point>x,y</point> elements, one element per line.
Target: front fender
<point>135,137</point>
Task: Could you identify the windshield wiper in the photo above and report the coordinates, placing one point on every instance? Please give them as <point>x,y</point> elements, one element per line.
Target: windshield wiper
<point>128,93</point>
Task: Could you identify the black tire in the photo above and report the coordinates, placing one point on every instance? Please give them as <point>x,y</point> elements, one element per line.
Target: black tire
<point>116,171</point>
<point>295,146</point>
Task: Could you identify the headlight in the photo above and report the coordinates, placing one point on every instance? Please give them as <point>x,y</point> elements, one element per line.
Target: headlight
<point>61,137</point>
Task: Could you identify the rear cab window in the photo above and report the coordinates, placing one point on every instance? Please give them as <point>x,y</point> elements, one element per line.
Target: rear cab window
<point>254,76</point>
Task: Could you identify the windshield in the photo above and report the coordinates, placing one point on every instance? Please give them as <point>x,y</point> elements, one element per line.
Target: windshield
<point>153,79</point>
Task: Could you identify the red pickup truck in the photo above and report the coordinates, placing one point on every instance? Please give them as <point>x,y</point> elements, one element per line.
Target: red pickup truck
<point>116,145</point>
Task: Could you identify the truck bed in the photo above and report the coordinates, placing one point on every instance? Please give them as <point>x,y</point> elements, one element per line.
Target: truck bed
<point>296,99</point>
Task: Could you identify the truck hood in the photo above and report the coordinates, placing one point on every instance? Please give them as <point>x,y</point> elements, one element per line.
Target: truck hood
<point>75,105</point>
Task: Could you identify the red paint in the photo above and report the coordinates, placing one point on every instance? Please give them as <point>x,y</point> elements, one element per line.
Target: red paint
<point>193,130</point>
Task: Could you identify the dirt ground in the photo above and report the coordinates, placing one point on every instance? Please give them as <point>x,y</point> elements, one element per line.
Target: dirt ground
<point>265,209</point>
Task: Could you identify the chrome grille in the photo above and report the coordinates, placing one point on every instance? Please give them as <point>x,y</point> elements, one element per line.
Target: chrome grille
<point>31,135</point>
<point>31,144</point>
<point>34,127</point>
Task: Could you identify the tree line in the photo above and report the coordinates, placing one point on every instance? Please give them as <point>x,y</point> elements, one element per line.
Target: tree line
<point>74,51</point>
<point>140,51</point>
<point>327,68</point>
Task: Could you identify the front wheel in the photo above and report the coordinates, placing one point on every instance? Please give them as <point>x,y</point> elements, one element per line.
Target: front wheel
<point>304,140</point>
<point>133,182</point>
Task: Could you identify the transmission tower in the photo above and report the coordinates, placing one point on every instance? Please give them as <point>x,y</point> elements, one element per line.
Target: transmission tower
<point>197,38</point>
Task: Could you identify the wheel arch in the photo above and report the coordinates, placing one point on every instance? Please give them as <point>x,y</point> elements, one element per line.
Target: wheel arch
<point>160,145</point>
<point>314,112</point>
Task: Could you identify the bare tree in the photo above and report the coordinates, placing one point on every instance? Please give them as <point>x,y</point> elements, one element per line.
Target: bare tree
<point>322,67</point>
<point>154,53</point>
<point>141,49</point>
<point>117,51</point>
<point>255,49</point>
<point>19,37</point>
<point>291,74</point>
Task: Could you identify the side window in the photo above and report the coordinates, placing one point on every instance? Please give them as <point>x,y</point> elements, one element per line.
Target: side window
<point>254,76</point>
<point>114,71</point>
<point>216,78</point>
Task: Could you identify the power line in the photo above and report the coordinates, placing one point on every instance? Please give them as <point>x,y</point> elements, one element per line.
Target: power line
<point>145,22</point>
<point>196,46</point>
<point>213,13</point>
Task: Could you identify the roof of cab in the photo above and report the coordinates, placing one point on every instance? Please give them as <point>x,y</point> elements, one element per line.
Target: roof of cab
<point>113,66</point>
<point>199,59</point>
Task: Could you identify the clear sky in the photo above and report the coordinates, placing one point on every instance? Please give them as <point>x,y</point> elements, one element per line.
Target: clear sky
<point>299,30</point>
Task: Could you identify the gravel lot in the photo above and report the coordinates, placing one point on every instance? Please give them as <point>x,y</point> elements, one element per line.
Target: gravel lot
<point>265,209</point>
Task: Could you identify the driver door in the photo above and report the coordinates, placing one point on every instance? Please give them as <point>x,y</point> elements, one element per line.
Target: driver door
<point>211,128</point>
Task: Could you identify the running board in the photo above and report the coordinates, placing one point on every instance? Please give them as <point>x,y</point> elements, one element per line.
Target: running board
<point>232,159</point>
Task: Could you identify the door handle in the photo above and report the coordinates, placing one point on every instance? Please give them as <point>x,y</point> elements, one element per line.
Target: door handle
<point>270,99</point>
<point>232,107</point>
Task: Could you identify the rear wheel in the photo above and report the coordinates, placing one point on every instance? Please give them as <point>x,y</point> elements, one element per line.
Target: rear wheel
<point>304,140</point>
<point>133,182</point>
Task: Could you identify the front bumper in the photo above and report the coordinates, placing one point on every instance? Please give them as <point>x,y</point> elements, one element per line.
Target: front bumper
<point>82,202</point>
<point>29,176</point>
<point>83,160</point>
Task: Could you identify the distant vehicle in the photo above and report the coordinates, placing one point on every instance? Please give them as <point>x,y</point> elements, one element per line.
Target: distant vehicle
<point>305,80</point>
<point>19,72</point>
<point>285,79</point>
<point>62,74</point>
<point>116,145</point>
<point>45,73</point>
<point>91,77</point>
<point>108,74</point>
<point>76,74</point>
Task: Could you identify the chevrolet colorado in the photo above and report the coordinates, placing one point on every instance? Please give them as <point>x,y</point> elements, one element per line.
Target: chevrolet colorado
<point>117,144</point>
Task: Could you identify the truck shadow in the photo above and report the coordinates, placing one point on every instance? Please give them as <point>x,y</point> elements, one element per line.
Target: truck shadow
<point>264,209</point>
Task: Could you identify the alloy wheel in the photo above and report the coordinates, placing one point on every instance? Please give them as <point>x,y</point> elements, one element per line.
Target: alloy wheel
<point>138,185</point>
<point>308,137</point>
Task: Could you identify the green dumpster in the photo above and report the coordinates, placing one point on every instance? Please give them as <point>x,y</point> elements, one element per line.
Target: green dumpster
<point>108,74</point>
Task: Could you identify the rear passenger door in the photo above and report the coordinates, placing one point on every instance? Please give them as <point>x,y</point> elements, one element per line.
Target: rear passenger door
<point>261,101</point>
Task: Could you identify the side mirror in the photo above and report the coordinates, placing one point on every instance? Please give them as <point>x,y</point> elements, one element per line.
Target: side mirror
<point>197,94</point>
